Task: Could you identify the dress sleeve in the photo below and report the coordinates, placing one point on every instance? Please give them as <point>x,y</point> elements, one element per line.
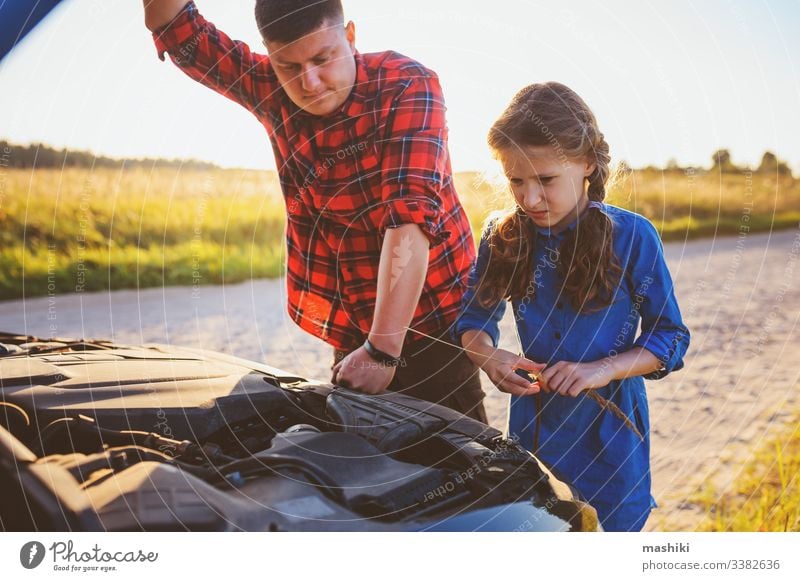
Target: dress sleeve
<point>473,315</point>
<point>663,331</point>
<point>415,161</point>
<point>210,57</point>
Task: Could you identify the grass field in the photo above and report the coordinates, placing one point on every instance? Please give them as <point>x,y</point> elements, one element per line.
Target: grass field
<point>84,230</point>
<point>765,496</point>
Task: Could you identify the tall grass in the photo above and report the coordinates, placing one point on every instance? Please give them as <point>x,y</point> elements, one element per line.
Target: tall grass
<point>682,205</point>
<point>691,205</point>
<point>765,496</point>
<point>94,230</point>
<point>82,229</point>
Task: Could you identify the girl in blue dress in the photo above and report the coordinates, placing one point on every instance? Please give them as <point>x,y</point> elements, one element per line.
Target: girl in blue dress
<point>593,303</point>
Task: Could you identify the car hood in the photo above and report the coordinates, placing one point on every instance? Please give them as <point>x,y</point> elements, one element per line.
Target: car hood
<point>100,436</point>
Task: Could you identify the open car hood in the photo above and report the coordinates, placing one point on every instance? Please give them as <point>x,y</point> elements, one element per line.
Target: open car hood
<point>98,436</point>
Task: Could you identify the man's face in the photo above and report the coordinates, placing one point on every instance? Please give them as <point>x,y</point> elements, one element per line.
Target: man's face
<point>318,70</point>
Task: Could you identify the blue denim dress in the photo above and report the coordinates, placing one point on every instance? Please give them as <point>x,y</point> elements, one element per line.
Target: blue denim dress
<point>579,441</point>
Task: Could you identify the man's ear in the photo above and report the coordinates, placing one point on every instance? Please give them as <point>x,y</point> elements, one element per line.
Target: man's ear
<point>350,34</point>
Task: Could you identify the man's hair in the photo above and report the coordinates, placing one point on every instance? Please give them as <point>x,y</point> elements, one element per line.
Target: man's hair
<point>288,20</point>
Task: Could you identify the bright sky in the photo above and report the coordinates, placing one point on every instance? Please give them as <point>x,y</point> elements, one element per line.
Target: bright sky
<point>665,79</point>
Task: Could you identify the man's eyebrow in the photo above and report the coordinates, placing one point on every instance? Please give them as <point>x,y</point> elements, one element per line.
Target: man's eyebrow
<point>320,53</point>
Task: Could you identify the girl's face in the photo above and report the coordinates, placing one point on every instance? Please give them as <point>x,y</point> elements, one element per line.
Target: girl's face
<point>549,187</point>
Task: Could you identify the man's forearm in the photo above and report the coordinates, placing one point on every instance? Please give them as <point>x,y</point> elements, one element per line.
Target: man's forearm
<point>401,277</point>
<point>158,13</point>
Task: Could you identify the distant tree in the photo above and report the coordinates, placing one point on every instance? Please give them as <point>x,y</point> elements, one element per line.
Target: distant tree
<point>39,155</point>
<point>721,161</point>
<point>673,165</point>
<point>771,164</point>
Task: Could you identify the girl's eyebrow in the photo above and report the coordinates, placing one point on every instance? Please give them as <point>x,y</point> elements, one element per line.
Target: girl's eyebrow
<point>537,177</point>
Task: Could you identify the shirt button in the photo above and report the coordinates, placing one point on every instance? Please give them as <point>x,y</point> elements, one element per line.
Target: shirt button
<point>558,335</point>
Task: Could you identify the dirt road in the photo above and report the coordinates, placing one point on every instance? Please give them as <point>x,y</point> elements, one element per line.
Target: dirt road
<point>740,297</point>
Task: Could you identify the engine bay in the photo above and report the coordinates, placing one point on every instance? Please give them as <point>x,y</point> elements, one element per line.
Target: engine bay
<point>104,437</point>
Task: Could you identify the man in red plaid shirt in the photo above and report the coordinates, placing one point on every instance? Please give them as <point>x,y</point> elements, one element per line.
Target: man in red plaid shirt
<point>378,244</point>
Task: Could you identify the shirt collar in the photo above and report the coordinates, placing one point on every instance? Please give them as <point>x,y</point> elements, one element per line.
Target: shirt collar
<point>550,233</point>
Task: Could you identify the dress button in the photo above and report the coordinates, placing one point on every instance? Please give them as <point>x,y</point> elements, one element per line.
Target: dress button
<point>558,335</point>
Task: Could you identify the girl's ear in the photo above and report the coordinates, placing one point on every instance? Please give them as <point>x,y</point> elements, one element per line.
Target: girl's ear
<point>591,165</point>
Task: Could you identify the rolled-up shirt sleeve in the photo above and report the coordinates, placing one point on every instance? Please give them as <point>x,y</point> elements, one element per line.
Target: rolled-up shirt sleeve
<point>663,332</point>
<point>474,315</point>
<point>210,57</point>
<point>415,161</point>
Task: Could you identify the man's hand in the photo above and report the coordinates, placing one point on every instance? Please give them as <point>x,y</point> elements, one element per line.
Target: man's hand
<point>158,13</point>
<point>361,372</point>
<point>570,379</point>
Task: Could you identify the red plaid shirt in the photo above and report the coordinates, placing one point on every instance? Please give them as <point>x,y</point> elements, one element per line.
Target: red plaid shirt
<point>378,162</point>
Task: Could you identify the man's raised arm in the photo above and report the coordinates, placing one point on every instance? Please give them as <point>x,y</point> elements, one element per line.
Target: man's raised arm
<point>208,55</point>
<point>158,13</point>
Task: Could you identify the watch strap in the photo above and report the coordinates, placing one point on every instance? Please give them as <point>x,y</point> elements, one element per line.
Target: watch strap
<point>381,356</point>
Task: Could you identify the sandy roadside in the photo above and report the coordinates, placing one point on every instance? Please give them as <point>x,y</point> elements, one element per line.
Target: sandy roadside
<point>740,297</point>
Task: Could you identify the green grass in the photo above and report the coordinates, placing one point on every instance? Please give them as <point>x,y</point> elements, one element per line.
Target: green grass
<point>111,229</point>
<point>681,206</point>
<point>766,494</point>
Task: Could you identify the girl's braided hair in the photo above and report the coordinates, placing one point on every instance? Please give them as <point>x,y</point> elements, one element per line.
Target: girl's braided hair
<point>551,114</point>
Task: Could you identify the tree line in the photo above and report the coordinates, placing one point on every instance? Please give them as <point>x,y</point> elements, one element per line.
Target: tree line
<point>721,160</point>
<point>39,155</point>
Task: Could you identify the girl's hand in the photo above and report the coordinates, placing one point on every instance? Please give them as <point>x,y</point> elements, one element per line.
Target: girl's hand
<point>501,367</point>
<point>571,379</point>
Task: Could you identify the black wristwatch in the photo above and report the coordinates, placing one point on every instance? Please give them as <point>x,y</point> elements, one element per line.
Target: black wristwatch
<point>381,356</point>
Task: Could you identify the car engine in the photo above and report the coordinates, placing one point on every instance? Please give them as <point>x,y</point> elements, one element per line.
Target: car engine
<point>98,436</point>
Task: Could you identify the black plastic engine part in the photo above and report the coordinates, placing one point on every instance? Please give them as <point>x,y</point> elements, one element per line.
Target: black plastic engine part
<point>393,421</point>
<point>368,480</point>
